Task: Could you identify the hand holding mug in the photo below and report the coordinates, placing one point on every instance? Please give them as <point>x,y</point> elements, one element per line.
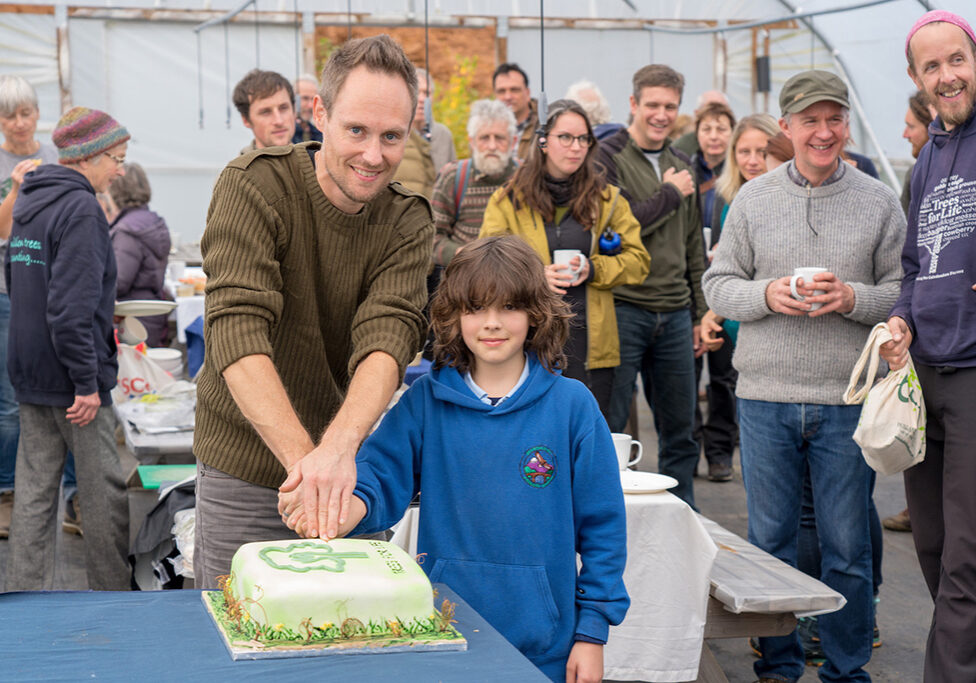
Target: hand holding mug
<point>824,292</point>
<point>571,263</point>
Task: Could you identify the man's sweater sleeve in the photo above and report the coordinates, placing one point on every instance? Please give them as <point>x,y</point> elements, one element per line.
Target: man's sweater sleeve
<point>74,292</point>
<point>390,318</point>
<point>244,283</point>
<point>727,285</point>
<point>444,205</point>
<point>873,301</point>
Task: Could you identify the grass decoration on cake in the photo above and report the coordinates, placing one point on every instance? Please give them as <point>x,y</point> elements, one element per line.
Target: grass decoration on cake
<point>242,631</point>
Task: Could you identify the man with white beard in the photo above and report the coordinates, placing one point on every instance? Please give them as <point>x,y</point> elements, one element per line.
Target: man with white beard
<point>463,188</point>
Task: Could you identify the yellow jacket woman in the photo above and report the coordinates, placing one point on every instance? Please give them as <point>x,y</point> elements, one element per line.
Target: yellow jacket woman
<point>556,200</point>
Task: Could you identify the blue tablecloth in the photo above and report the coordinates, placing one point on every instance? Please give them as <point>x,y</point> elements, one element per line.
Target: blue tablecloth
<point>168,635</point>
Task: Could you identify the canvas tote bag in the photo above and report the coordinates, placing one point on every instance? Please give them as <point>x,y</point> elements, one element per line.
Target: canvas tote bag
<point>891,430</point>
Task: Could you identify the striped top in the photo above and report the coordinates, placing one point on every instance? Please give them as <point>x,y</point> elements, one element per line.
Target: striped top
<point>455,228</point>
<point>315,289</point>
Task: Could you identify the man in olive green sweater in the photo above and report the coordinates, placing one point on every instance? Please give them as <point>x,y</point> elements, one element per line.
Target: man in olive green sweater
<point>316,279</point>
<point>658,320</point>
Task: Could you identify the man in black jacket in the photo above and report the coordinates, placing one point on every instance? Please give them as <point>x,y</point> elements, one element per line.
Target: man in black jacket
<point>60,272</point>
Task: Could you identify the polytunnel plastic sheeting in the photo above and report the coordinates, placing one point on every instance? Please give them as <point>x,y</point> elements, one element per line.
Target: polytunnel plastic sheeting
<point>145,72</point>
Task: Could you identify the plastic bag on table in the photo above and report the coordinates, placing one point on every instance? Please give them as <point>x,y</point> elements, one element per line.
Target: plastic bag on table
<point>171,410</point>
<point>138,374</point>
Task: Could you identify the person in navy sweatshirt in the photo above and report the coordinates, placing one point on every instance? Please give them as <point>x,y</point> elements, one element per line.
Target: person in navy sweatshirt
<point>935,318</point>
<point>515,462</point>
<point>60,273</point>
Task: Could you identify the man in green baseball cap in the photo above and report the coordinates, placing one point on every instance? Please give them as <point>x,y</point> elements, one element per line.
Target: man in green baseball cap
<point>810,87</point>
<point>815,118</point>
<point>795,353</point>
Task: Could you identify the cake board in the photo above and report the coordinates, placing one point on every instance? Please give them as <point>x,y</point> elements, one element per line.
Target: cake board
<point>449,639</point>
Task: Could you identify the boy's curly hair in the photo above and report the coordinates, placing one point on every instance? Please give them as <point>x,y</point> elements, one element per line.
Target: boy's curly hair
<point>501,270</point>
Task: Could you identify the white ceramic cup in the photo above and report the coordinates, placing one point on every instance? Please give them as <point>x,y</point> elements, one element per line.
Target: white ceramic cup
<point>806,274</point>
<point>132,331</point>
<point>623,444</point>
<point>562,257</point>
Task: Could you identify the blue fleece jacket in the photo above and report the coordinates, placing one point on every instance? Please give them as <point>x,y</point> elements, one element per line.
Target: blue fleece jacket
<point>939,259</point>
<point>510,494</point>
<point>60,272</point>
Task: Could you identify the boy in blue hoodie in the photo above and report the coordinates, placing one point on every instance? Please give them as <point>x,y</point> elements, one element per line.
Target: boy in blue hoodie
<point>516,464</point>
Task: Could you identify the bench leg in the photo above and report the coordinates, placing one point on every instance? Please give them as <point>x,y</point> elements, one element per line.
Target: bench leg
<point>709,670</point>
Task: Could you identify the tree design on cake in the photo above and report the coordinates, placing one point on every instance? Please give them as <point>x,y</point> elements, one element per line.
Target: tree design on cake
<point>322,623</point>
<point>316,555</point>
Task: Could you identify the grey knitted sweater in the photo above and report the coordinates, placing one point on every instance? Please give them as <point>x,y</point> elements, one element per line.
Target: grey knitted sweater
<point>857,233</point>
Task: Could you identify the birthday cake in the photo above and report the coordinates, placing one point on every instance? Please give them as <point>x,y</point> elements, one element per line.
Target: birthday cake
<point>344,594</point>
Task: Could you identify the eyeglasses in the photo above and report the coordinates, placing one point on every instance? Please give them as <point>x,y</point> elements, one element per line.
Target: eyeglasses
<point>119,160</point>
<point>566,140</point>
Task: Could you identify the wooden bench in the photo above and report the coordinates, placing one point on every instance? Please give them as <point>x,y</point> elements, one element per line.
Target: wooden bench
<point>755,594</point>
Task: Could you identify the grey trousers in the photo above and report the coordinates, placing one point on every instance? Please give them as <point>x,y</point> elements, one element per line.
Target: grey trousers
<point>942,506</point>
<point>45,437</point>
<point>231,512</point>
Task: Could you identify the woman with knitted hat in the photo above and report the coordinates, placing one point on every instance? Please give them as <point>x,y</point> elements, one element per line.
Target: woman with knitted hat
<point>61,273</point>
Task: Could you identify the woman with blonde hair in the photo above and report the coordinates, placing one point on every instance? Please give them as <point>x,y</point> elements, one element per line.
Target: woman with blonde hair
<point>558,200</point>
<point>745,160</point>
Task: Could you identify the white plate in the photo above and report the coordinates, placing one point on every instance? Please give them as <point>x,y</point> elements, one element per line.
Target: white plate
<point>646,482</point>
<point>143,307</point>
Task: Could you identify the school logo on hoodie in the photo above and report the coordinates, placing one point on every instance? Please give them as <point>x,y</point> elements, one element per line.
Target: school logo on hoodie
<point>538,467</point>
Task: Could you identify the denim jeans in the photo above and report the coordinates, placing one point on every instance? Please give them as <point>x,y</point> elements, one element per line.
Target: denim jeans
<point>69,480</point>
<point>808,543</point>
<point>9,417</point>
<point>779,441</point>
<point>658,345</point>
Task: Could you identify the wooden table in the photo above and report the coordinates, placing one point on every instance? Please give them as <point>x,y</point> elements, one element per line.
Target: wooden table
<point>754,594</point>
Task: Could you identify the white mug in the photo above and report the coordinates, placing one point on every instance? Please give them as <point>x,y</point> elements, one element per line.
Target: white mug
<point>623,444</point>
<point>132,331</point>
<point>562,257</point>
<point>806,274</point>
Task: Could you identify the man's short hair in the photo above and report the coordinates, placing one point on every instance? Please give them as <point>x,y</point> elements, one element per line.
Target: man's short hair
<point>714,110</point>
<point>509,67</point>
<point>484,112</point>
<point>919,106</point>
<point>15,92</point>
<point>658,76</point>
<point>132,189</point>
<point>307,78</point>
<point>256,85</point>
<point>379,53</point>
<point>595,105</point>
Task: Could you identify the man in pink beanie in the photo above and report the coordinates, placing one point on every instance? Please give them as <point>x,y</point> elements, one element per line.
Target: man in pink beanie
<point>60,272</point>
<point>935,318</point>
